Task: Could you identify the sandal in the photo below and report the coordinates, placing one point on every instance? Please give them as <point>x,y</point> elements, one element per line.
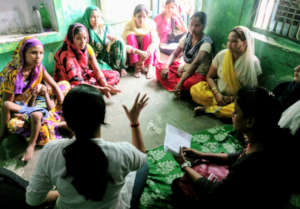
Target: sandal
<point>198,110</point>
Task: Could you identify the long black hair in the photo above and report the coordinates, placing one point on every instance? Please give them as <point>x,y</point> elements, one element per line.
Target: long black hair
<point>139,8</point>
<point>278,144</point>
<point>84,111</point>
<point>261,105</point>
<point>202,17</point>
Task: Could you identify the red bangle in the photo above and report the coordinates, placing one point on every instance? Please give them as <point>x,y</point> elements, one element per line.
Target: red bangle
<point>134,125</point>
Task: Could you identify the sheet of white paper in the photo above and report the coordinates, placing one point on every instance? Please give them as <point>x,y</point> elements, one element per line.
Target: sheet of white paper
<point>176,138</point>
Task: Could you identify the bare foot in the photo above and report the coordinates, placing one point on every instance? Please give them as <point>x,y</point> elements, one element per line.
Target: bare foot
<point>137,74</point>
<point>29,153</point>
<point>137,70</point>
<point>198,110</point>
<point>123,73</point>
<point>149,72</point>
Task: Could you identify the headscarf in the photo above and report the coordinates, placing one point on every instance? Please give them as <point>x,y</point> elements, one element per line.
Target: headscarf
<point>290,118</point>
<point>249,71</point>
<point>71,62</point>
<point>18,62</point>
<point>93,36</point>
<point>20,85</point>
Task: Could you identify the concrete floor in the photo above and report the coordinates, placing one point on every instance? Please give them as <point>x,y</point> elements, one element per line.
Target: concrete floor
<point>163,108</point>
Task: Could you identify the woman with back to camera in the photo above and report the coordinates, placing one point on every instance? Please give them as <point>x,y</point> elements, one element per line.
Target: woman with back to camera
<point>87,171</point>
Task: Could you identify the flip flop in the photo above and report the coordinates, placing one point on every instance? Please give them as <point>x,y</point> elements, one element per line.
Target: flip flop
<point>198,110</point>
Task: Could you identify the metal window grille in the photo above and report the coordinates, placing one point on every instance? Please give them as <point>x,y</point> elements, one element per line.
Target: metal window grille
<point>281,17</point>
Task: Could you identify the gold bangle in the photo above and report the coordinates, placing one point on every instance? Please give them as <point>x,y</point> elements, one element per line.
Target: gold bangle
<point>215,90</point>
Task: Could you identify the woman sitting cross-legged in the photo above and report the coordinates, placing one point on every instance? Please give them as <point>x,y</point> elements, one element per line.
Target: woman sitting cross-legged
<point>110,51</point>
<point>231,69</point>
<point>197,49</point>
<point>76,62</point>
<point>140,33</point>
<point>261,176</point>
<point>87,171</point>
<point>170,27</point>
<point>19,85</point>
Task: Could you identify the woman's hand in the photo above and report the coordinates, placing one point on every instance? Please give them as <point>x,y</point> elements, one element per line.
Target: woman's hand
<point>220,99</point>
<point>113,89</point>
<point>35,91</point>
<point>181,158</point>
<point>228,99</point>
<point>164,73</point>
<point>43,90</point>
<point>111,38</point>
<point>192,154</point>
<point>104,90</point>
<point>143,54</point>
<point>134,112</point>
<point>177,90</point>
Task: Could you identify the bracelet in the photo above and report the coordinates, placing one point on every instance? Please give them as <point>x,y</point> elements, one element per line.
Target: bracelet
<point>186,164</point>
<point>134,125</point>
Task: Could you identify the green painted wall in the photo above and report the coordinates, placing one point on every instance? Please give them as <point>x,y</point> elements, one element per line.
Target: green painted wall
<point>278,56</point>
<point>67,12</point>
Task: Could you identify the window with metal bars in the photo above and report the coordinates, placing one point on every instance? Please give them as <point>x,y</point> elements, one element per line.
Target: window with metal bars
<point>281,17</point>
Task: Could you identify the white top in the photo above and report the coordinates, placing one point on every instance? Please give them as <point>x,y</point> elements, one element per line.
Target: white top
<point>290,118</point>
<point>204,66</point>
<point>123,157</point>
<point>243,74</point>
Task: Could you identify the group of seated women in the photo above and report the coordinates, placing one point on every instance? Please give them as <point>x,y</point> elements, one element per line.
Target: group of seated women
<point>31,99</point>
<point>90,61</point>
<point>213,81</point>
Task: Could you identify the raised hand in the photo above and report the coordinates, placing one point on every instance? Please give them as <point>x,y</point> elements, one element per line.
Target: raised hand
<point>134,112</point>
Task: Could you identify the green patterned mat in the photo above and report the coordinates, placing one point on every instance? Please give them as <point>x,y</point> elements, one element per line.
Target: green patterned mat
<point>163,168</point>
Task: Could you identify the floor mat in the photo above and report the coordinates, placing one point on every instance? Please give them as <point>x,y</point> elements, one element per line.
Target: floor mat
<point>163,168</point>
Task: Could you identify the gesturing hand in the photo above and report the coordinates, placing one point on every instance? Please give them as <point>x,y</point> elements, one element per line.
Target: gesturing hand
<point>134,112</point>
